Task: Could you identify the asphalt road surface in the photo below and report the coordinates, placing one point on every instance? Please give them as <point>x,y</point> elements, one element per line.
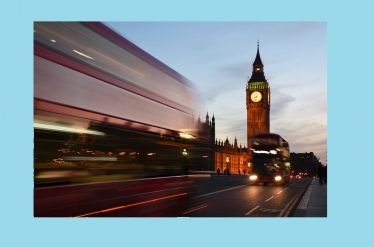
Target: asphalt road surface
<point>183,196</point>
<point>235,200</point>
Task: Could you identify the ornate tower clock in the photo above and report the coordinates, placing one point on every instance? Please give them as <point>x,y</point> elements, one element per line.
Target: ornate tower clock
<point>258,100</point>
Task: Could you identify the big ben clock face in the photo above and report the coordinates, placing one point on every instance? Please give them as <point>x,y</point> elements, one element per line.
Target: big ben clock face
<point>256,96</point>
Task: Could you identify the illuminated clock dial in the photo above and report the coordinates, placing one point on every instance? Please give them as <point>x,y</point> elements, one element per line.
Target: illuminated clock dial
<point>256,96</point>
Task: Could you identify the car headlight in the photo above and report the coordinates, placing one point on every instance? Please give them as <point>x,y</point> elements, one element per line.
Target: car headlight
<point>278,178</point>
<point>253,177</point>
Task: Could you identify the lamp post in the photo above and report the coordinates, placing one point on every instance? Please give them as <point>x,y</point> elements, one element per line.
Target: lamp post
<point>227,164</point>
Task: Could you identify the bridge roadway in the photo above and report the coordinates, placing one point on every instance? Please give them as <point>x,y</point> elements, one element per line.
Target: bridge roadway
<point>196,195</point>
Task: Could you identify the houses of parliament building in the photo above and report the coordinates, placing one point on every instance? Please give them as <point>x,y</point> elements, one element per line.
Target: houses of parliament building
<point>226,155</point>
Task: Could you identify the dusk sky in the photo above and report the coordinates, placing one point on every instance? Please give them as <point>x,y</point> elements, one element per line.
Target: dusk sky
<point>218,58</point>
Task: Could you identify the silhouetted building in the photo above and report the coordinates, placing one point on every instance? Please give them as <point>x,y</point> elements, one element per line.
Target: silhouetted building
<point>304,164</point>
<point>222,155</point>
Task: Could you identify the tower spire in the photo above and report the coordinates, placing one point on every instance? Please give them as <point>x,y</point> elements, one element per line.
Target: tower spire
<point>258,61</point>
<point>257,68</point>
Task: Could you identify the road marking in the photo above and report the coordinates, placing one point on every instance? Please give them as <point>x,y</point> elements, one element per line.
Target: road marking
<point>252,210</point>
<point>269,198</point>
<point>270,210</point>
<point>280,192</point>
<point>220,191</point>
<point>287,209</point>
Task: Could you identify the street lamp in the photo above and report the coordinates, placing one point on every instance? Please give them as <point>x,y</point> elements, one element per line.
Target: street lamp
<point>227,164</point>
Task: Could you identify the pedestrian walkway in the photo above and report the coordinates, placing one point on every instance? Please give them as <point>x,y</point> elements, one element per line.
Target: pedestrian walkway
<point>314,201</point>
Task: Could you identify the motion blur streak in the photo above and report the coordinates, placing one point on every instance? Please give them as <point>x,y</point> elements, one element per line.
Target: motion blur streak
<point>130,205</point>
<point>199,175</point>
<point>102,211</point>
<point>194,209</point>
<point>82,54</point>
<point>55,127</point>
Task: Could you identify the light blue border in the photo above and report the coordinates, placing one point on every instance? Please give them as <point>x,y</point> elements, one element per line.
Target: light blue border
<point>350,88</point>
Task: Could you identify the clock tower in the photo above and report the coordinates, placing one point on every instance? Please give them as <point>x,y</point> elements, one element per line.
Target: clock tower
<point>258,100</point>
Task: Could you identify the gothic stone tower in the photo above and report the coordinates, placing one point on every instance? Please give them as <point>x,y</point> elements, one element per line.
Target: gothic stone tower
<point>258,100</point>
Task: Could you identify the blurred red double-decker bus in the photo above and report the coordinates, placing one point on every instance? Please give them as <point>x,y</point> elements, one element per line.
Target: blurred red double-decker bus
<point>270,159</point>
<point>106,110</point>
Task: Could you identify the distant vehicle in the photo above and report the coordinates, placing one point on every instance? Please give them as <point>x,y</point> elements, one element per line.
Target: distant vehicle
<point>270,159</point>
<point>298,176</point>
<point>99,98</point>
